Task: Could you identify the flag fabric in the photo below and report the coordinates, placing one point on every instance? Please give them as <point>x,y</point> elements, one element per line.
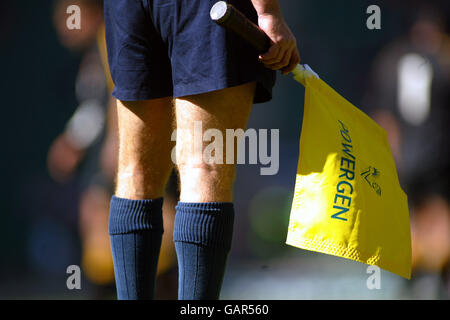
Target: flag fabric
<point>347,200</point>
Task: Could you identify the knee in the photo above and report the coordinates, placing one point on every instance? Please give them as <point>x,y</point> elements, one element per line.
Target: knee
<point>205,182</point>
<point>219,173</point>
<point>141,182</point>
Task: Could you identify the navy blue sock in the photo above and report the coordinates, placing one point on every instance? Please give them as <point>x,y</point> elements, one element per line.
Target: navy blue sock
<point>135,228</point>
<point>202,236</point>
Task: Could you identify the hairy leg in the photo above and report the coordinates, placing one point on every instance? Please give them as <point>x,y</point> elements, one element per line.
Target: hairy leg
<point>204,221</point>
<point>136,222</point>
<point>145,129</point>
<point>224,109</point>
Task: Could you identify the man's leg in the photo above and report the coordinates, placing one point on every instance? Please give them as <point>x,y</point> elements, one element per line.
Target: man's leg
<point>135,224</point>
<point>205,214</point>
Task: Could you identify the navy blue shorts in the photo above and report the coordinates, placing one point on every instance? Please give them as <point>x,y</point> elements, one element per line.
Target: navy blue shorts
<point>162,48</point>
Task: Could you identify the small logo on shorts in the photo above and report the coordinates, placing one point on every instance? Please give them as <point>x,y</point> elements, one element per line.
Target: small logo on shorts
<point>370,174</point>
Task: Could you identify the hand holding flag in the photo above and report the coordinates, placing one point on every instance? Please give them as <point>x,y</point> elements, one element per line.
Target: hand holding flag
<point>347,200</point>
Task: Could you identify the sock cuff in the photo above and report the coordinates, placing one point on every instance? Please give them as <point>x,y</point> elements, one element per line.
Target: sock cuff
<point>128,216</point>
<point>208,224</point>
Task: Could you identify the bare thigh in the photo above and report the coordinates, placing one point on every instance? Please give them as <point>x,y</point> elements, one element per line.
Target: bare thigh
<point>145,145</point>
<point>224,109</point>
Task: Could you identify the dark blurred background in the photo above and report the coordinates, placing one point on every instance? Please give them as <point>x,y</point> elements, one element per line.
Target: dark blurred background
<point>54,191</point>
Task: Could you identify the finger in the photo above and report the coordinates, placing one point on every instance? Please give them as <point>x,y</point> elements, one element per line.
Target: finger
<point>283,62</point>
<point>278,58</point>
<point>295,60</point>
<point>271,54</point>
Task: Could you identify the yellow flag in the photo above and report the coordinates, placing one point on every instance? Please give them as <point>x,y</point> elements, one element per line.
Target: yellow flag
<point>348,201</point>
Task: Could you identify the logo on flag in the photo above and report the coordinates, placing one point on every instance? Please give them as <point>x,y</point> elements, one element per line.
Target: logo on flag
<point>370,175</point>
